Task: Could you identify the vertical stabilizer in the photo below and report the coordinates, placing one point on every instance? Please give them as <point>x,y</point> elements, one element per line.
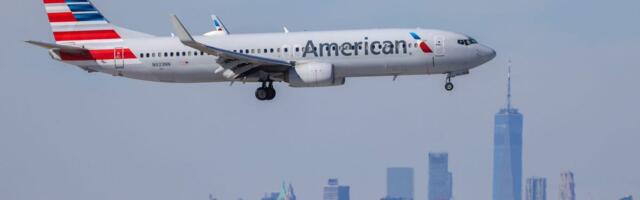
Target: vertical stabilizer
<point>219,28</point>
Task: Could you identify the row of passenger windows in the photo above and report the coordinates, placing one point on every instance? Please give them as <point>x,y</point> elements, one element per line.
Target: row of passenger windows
<point>268,50</point>
<point>172,54</point>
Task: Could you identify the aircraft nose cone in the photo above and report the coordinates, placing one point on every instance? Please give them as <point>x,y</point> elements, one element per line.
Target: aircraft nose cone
<point>486,53</point>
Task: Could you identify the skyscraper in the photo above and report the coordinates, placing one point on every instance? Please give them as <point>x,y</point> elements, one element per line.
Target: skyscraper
<point>507,152</point>
<point>440,179</point>
<point>536,188</point>
<point>400,183</point>
<point>333,191</point>
<point>567,186</point>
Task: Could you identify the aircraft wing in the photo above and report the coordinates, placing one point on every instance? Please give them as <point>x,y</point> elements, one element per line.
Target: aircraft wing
<point>235,64</point>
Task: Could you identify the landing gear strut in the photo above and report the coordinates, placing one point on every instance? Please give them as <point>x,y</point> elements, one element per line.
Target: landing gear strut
<point>448,86</point>
<point>266,92</point>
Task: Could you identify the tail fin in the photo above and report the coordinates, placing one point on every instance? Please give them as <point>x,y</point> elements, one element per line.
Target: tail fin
<point>78,21</point>
<point>220,29</point>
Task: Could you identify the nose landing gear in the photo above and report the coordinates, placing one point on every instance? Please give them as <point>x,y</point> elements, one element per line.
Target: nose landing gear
<point>266,92</point>
<point>448,86</point>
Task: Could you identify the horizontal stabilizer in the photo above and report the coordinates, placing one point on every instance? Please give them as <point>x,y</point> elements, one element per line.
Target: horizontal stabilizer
<point>65,48</point>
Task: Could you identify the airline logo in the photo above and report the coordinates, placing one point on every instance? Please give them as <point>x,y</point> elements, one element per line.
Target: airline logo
<point>78,21</point>
<point>421,43</point>
<point>217,25</point>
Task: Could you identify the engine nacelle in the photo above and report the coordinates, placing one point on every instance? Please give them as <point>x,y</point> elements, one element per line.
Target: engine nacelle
<point>313,75</point>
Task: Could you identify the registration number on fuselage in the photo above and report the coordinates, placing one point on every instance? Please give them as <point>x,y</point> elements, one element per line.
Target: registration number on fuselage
<point>161,64</point>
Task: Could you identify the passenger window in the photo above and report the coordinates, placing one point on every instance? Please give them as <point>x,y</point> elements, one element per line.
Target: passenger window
<point>271,50</point>
<point>141,55</point>
<point>297,49</point>
<point>171,54</point>
<point>286,50</point>
<point>265,51</point>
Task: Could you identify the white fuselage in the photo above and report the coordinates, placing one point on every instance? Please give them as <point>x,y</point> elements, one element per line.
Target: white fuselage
<point>375,52</point>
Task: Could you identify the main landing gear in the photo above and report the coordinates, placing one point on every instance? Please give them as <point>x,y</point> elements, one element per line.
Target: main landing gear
<point>266,92</point>
<point>449,86</point>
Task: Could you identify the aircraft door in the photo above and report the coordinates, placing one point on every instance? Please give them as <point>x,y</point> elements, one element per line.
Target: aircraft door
<point>439,49</point>
<point>118,58</point>
<point>438,59</point>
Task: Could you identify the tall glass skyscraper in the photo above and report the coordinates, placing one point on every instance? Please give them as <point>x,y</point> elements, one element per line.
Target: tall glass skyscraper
<point>507,152</point>
<point>400,183</point>
<point>440,179</point>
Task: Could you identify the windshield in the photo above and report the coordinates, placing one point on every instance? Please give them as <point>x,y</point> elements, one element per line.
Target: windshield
<point>468,41</point>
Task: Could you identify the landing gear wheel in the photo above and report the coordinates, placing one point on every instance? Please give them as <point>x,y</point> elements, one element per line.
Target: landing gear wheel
<point>271,93</point>
<point>262,94</point>
<point>448,86</point>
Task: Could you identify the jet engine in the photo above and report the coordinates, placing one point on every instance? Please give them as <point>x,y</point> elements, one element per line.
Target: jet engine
<point>313,75</point>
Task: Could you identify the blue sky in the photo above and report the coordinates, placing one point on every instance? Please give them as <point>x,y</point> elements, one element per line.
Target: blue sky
<point>66,134</point>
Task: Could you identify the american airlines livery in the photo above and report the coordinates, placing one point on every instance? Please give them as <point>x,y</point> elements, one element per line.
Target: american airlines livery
<point>85,38</point>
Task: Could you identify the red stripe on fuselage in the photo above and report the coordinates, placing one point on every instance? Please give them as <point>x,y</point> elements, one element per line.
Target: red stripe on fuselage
<point>86,35</point>
<point>54,1</point>
<point>61,17</point>
<point>98,54</point>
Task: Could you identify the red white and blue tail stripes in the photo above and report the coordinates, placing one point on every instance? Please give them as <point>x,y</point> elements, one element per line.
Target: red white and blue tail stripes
<point>78,21</point>
<point>421,43</point>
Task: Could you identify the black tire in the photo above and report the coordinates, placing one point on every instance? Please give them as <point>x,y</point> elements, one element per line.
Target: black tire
<point>271,93</point>
<point>262,94</point>
<point>448,86</point>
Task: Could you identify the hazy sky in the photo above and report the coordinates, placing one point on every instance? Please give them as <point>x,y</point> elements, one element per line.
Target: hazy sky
<point>66,134</point>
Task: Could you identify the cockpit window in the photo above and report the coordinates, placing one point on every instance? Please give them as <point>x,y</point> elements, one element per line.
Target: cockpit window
<point>473,41</point>
<point>467,42</point>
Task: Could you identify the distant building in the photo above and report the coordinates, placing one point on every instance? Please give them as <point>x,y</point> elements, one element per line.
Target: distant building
<point>507,152</point>
<point>271,196</point>
<point>392,198</point>
<point>567,186</point>
<point>334,191</point>
<point>440,179</point>
<point>627,198</point>
<point>284,194</point>
<point>291,195</point>
<point>536,189</point>
<point>400,183</point>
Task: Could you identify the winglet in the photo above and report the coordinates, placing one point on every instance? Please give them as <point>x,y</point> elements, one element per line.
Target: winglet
<point>181,31</point>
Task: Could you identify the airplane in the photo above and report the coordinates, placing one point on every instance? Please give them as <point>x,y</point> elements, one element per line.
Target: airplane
<point>86,39</point>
